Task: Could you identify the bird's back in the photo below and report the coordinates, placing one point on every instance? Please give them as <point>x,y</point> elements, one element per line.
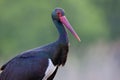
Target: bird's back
<point>25,68</point>
<point>35,64</point>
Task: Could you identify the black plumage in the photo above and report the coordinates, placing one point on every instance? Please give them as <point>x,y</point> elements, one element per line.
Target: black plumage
<point>32,64</point>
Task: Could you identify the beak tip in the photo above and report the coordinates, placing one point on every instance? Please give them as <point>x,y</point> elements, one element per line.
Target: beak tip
<point>79,39</point>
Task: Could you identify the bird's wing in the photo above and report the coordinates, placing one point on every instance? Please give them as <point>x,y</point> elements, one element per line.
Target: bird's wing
<point>4,65</point>
<point>24,54</point>
<point>25,67</point>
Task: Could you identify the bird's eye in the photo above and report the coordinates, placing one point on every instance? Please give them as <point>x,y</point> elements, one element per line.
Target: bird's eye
<point>59,14</point>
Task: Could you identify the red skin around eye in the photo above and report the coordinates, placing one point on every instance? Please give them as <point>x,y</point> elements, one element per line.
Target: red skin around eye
<point>59,14</point>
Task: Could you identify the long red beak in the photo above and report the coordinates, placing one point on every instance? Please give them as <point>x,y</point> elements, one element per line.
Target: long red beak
<point>66,23</point>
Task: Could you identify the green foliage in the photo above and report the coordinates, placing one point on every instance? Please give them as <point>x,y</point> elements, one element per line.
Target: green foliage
<point>26,24</point>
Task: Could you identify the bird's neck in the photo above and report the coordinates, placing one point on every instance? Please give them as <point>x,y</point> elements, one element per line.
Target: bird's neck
<point>62,32</point>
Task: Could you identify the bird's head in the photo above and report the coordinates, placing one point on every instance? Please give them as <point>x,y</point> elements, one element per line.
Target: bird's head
<point>59,15</point>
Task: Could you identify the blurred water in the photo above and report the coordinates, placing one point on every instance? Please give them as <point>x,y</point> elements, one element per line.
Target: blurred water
<point>101,61</point>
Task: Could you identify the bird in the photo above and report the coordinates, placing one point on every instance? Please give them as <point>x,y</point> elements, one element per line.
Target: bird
<point>41,63</point>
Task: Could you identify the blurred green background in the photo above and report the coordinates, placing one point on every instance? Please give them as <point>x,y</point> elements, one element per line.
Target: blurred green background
<point>26,24</point>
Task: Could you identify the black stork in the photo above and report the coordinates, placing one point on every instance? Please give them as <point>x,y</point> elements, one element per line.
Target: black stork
<point>41,63</point>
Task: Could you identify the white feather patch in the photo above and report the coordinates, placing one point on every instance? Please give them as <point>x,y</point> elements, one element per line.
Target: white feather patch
<point>50,69</point>
<point>0,71</point>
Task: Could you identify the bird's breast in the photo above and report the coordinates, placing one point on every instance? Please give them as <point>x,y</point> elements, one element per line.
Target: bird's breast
<point>50,69</point>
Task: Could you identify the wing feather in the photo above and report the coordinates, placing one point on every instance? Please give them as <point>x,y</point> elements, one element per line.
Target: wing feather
<point>25,67</point>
